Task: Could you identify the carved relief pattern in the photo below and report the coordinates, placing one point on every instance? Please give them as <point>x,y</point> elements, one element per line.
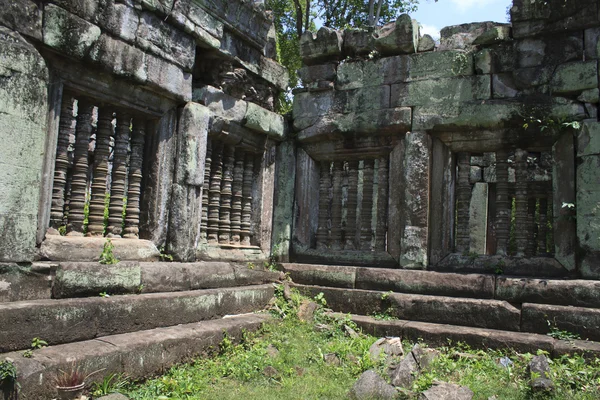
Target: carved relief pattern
<point>463,198</point>
<point>79,180</point>
<point>134,192</point>
<point>66,130</point>
<point>99,182</point>
<point>119,175</point>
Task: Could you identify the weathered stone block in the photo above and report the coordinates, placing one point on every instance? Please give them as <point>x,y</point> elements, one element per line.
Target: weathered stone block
<point>24,17</point>
<point>68,33</point>
<point>588,202</point>
<point>575,77</point>
<point>73,248</point>
<point>165,41</point>
<point>535,18</point>
<point>119,19</point>
<point>440,64</point>
<point>353,75</point>
<point>588,138</point>
<point>312,105</point>
<point>475,174</point>
<point>363,99</point>
<point>589,96</point>
<point>579,320</point>
<point>526,78</point>
<point>462,37</point>
<point>530,52</point>
<point>483,61</point>
<point>88,279</point>
<point>426,43</point>
<point>25,282</point>
<point>169,77</point>
<point>321,72</point>
<point>400,37</point>
<point>194,122</point>
<point>504,86</point>
<point>119,58</point>
<point>358,42</point>
<point>493,35</point>
<point>590,38</point>
<point>443,90</point>
<point>325,45</point>
<point>203,19</point>
<point>478,217</point>
<point>264,121</point>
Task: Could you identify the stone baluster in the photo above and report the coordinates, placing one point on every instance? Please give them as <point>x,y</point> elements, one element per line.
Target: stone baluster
<point>205,189</point>
<point>503,203</point>
<point>61,166</point>
<point>382,202</point>
<point>236,197</point>
<point>543,227</point>
<point>79,180</point>
<point>134,191</point>
<point>246,223</point>
<point>550,216</point>
<point>350,233</point>
<point>119,175</point>
<point>225,208</point>
<point>104,133</point>
<point>521,206</point>
<point>531,229</point>
<point>463,200</point>
<point>336,206</point>
<point>323,220</point>
<point>366,216</point>
<point>214,195</point>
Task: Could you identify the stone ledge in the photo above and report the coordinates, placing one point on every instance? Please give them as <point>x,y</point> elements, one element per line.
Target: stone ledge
<point>72,320</point>
<point>72,248</point>
<point>580,320</point>
<point>138,355</point>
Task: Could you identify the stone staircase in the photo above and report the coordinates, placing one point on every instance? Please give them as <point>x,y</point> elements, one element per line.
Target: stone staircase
<point>479,309</point>
<point>132,318</point>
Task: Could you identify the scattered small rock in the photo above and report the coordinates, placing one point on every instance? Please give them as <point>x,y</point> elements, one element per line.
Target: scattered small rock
<point>539,375</point>
<point>287,292</point>
<point>494,397</point>
<point>323,327</point>
<point>270,371</point>
<point>371,386</point>
<point>114,396</point>
<point>351,332</point>
<point>391,347</point>
<point>424,356</point>
<point>446,391</point>
<point>299,370</point>
<point>332,359</point>
<point>306,311</point>
<point>458,355</point>
<point>404,374</point>
<point>272,351</point>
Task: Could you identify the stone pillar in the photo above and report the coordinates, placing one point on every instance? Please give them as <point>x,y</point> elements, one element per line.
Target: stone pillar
<point>324,185</point>
<point>134,191</point>
<point>225,202</point>
<point>478,216</point>
<point>336,206</point>
<point>503,203</point>
<point>283,202</point>
<point>214,196</point>
<point>205,188</point>
<point>521,223</point>
<point>350,233</point>
<point>442,202</point>
<point>382,203</point>
<point>246,223</point>
<point>366,213</point>
<point>62,163</point>
<point>530,251</point>
<point>463,200</point>
<point>542,238</point>
<point>236,201</point>
<point>80,168</point>
<point>119,175</point>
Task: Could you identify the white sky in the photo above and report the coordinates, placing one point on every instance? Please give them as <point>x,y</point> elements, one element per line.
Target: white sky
<point>434,16</point>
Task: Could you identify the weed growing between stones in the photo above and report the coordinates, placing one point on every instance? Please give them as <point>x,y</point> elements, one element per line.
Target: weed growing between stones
<point>107,256</point>
<point>321,356</point>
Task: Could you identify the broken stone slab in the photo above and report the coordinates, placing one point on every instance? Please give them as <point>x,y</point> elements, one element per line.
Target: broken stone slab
<point>540,318</point>
<point>462,37</point>
<point>306,311</point>
<point>80,279</point>
<point>446,391</point>
<point>371,386</point>
<point>399,37</point>
<point>426,43</point>
<point>424,356</point>
<point>26,282</point>
<point>68,33</point>
<point>358,42</point>
<point>389,348</point>
<point>494,35</point>
<point>70,248</point>
<point>119,58</point>
<point>220,103</point>
<point>405,373</point>
<point>539,375</point>
<point>575,77</point>
<point>325,45</point>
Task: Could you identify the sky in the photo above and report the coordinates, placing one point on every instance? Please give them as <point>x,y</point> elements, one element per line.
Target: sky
<point>434,16</point>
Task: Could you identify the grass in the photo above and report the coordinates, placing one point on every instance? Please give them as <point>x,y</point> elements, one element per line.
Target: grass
<point>298,370</point>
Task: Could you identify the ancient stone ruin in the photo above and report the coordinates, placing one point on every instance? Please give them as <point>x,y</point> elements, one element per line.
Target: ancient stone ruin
<point>463,175</point>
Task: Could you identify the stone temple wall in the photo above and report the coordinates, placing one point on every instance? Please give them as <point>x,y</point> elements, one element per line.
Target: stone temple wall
<point>461,155</point>
<point>106,111</point>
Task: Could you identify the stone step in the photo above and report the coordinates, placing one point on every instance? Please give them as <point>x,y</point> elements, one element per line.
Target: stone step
<point>480,313</point>
<point>518,290</point>
<point>137,355</point>
<point>73,320</point>
<point>436,335</point>
<point>45,280</point>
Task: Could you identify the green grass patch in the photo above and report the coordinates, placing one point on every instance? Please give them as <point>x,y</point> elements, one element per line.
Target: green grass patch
<point>298,369</point>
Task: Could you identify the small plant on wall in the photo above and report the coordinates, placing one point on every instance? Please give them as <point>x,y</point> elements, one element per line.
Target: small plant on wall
<point>8,379</point>
<point>107,256</point>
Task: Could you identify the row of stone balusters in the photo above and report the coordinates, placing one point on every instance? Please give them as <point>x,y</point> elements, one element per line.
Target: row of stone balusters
<point>343,223</point>
<point>531,233</point>
<point>72,170</point>
<point>227,195</point>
